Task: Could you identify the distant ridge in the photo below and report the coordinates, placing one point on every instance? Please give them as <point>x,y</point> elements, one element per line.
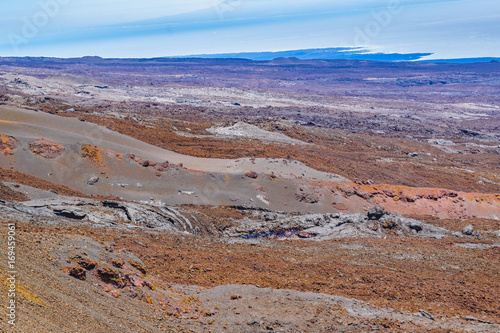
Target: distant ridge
<point>463,60</point>
<point>309,54</point>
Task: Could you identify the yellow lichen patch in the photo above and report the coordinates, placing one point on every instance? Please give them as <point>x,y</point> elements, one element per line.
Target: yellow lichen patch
<point>7,144</point>
<point>29,295</point>
<point>93,154</point>
<point>5,138</point>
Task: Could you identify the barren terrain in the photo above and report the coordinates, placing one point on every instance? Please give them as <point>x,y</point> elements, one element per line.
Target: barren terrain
<point>241,196</point>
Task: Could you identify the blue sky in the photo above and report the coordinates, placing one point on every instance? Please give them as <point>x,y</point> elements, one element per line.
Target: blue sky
<point>154,28</point>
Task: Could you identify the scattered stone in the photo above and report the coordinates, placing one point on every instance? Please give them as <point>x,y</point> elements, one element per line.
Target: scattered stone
<point>162,166</point>
<point>141,244</point>
<point>307,197</point>
<point>426,314</point>
<point>413,154</point>
<point>252,174</point>
<point>93,180</point>
<point>468,230</point>
<point>75,271</point>
<point>236,296</point>
<point>376,212</point>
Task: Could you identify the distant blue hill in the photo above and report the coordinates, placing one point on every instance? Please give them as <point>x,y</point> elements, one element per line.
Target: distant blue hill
<point>336,53</point>
<point>308,54</point>
<point>463,60</point>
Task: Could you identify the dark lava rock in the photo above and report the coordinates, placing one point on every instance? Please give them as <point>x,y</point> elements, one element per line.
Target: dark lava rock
<point>77,272</point>
<point>376,212</point>
<point>69,212</point>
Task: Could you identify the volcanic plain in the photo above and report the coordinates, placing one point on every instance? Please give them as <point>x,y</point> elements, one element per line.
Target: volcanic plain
<point>186,195</point>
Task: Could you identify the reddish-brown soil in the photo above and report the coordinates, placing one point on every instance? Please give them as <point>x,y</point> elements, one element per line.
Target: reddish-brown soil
<point>406,274</point>
<point>8,194</point>
<point>96,295</point>
<point>367,121</point>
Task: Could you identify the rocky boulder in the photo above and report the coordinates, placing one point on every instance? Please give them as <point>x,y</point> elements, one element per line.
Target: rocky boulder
<point>93,180</point>
<point>252,174</point>
<point>468,230</point>
<point>375,213</point>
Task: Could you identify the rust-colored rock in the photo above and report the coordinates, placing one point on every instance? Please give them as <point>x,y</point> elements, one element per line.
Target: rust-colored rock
<point>252,174</point>
<point>75,271</point>
<point>7,144</point>
<point>46,149</point>
<point>112,276</point>
<point>87,263</point>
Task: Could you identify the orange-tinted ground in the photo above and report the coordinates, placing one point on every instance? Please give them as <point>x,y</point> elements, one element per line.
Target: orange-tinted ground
<point>49,300</point>
<point>448,278</point>
<point>406,274</point>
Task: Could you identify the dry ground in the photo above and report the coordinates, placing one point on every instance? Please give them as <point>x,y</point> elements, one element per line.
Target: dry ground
<point>407,274</point>
<point>355,156</point>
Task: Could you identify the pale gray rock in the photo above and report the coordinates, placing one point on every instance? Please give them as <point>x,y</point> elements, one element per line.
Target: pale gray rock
<point>93,180</point>
<point>468,230</point>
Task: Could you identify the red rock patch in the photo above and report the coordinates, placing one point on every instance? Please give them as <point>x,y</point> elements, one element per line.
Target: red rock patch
<point>46,149</point>
<point>7,144</point>
<point>252,174</point>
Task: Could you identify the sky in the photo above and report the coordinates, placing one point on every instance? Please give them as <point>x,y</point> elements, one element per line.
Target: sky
<point>153,28</point>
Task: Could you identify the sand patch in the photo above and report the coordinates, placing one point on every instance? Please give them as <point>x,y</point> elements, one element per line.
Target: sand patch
<point>244,130</point>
